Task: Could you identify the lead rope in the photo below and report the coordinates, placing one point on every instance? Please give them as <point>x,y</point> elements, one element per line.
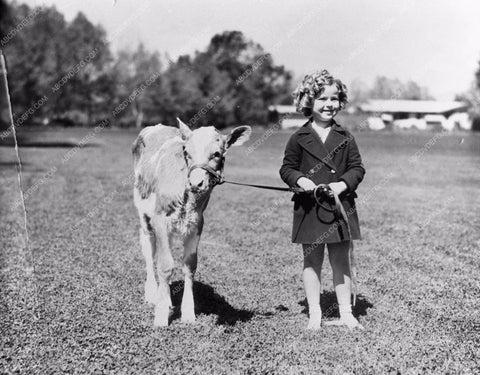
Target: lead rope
<point>325,189</point>
<point>219,180</point>
<point>29,258</point>
<point>351,258</point>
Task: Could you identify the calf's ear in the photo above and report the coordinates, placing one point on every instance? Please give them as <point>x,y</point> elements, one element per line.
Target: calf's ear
<point>184,129</point>
<point>238,136</point>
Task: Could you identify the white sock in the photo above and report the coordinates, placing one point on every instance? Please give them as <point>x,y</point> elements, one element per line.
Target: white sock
<point>314,310</point>
<point>345,310</point>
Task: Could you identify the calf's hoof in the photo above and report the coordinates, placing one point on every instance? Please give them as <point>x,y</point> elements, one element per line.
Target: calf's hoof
<point>188,318</point>
<point>151,292</point>
<point>162,315</point>
<point>160,322</point>
<point>315,322</point>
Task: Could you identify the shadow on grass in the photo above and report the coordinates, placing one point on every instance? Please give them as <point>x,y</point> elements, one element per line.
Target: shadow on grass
<point>208,302</point>
<point>329,305</point>
<point>26,166</point>
<point>10,163</point>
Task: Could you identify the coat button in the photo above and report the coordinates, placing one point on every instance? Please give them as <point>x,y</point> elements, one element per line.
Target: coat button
<point>333,171</point>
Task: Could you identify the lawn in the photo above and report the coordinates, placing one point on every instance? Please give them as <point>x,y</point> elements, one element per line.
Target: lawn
<point>82,309</point>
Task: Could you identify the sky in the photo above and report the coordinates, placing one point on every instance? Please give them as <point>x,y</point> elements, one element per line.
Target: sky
<point>435,43</point>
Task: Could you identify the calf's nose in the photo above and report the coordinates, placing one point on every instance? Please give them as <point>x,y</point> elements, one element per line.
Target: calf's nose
<point>198,180</point>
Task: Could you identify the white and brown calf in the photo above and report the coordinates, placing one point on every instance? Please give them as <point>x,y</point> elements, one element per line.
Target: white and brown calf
<point>175,172</point>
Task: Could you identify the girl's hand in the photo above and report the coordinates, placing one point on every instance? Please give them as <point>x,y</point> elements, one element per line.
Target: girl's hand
<point>306,184</point>
<point>338,187</point>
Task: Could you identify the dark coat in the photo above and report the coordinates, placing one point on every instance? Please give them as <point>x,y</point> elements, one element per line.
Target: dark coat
<point>336,160</point>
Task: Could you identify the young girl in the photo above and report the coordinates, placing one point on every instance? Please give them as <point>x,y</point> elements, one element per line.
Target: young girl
<point>322,152</point>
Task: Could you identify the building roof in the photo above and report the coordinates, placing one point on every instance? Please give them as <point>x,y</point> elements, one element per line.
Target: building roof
<point>412,106</point>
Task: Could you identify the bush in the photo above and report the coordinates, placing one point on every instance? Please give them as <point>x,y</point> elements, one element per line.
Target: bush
<point>71,118</point>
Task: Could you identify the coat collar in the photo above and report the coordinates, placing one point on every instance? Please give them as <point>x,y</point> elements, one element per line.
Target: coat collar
<point>307,127</point>
<point>310,141</point>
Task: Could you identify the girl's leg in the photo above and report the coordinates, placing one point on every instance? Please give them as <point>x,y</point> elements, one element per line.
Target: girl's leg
<point>312,267</point>
<point>339,260</point>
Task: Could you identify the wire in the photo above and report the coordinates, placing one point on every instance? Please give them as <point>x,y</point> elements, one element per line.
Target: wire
<point>29,259</point>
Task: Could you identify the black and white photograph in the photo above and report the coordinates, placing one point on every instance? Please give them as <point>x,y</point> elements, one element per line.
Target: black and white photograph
<point>240,187</point>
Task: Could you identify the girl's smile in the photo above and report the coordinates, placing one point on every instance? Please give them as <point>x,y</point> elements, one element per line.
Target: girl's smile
<point>327,105</point>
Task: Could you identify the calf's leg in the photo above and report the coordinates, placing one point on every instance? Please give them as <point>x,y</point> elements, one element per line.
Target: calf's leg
<point>189,268</point>
<point>165,266</point>
<point>147,242</point>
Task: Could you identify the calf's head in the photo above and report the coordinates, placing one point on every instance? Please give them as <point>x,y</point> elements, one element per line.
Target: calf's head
<point>204,150</point>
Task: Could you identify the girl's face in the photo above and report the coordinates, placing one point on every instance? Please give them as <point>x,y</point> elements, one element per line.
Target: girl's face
<point>327,104</point>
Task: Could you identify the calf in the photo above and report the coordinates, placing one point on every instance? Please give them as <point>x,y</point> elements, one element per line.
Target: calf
<point>175,172</point>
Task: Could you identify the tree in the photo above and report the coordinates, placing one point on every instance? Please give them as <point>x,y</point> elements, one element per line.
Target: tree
<point>477,76</point>
<point>183,96</point>
<point>5,21</point>
<point>472,98</point>
<point>415,92</point>
<point>234,78</point>
<point>32,56</point>
<point>87,63</point>
<point>388,88</point>
<point>133,72</point>
<point>65,66</point>
<point>232,81</point>
<point>358,92</point>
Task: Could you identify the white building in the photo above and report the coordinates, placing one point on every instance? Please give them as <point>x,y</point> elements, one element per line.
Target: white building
<point>419,114</point>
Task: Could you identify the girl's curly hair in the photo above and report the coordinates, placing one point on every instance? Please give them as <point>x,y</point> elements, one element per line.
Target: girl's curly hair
<point>312,87</point>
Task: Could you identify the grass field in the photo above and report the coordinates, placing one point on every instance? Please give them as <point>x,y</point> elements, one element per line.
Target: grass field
<point>82,310</point>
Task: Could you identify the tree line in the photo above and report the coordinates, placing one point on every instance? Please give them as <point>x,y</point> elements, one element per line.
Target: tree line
<point>66,73</point>
<point>387,88</point>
